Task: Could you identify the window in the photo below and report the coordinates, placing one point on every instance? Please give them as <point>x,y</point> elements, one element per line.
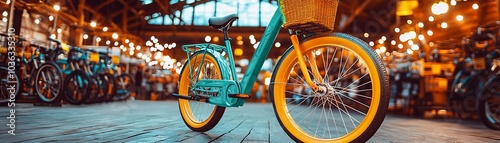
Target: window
<point>252,13</point>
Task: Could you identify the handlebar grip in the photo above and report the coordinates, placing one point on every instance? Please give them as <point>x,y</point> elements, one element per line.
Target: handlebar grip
<point>54,40</point>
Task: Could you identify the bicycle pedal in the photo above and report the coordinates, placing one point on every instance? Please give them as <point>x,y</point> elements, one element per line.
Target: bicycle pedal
<point>243,96</point>
<point>201,98</point>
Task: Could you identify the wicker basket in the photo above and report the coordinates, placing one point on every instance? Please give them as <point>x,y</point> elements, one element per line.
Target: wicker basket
<point>310,16</point>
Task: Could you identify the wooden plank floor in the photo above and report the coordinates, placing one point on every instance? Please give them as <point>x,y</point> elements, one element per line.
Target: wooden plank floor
<point>159,121</point>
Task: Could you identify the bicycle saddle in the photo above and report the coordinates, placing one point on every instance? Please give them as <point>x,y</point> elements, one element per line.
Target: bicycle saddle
<point>222,22</point>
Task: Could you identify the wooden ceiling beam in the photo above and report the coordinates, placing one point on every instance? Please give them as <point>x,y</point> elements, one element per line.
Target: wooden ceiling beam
<point>103,4</point>
<point>358,11</point>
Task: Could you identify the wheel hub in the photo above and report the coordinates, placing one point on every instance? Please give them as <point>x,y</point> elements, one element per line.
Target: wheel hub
<point>325,90</point>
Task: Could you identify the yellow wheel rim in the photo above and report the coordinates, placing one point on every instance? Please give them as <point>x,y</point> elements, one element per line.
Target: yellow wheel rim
<point>191,118</point>
<point>280,100</point>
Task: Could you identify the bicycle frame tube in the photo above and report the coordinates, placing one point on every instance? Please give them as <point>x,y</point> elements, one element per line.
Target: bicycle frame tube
<point>262,52</point>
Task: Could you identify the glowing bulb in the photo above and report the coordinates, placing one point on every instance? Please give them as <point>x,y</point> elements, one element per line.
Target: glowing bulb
<point>460,17</point>
<point>372,43</point>
<point>37,21</point>
<point>366,35</point>
<point>430,33</point>
<point>393,42</point>
<point>4,19</point>
<point>85,36</point>
<point>380,41</point>
<point>453,2</point>
<point>104,29</point>
<point>5,13</point>
<point>421,25</point>
<point>412,35</point>
<point>384,38</point>
<point>277,45</point>
<point>57,7</point>
<point>127,41</point>
<point>410,42</point>
<point>51,18</point>
<point>444,25</point>
<point>409,51</point>
<point>59,30</point>
<point>116,43</point>
<point>475,6</point>
<point>138,47</point>
<point>208,39</point>
<point>409,21</point>
<point>114,36</point>
<point>53,36</point>
<point>440,8</point>
<point>93,24</point>
<point>98,39</point>
<point>397,30</point>
<point>400,46</point>
<point>415,47</point>
<point>431,18</point>
<point>108,42</point>
<point>383,49</point>
<point>421,37</point>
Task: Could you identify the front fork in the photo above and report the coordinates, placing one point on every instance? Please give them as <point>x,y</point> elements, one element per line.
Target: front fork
<point>303,66</point>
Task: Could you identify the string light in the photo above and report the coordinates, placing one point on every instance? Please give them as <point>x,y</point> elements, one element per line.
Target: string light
<point>5,13</point>
<point>85,36</point>
<point>460,17</point>
<point>431,18</point>
<point>421,37</point>
<point>372,43</point>
<point>105,29</point>
<point>114,36</point>
<point>98,39</point>
<point>277,45</point>
<point>444,25</point>
<point>397,30</point>
<point>400,46</point>
<point>409,21</point>
<point>57,7</point>
<point>393,42</point>
<point>37,21</point>
<point>366,35</point>
<point>93,24</point>
<point>430,33</point>
<point>440,8</point>
<point>208,38</point>
<point>421,25</point>
<point>453,2</point>
<point>475,6</point>
<point>383,49</point>
<point>409,51</point>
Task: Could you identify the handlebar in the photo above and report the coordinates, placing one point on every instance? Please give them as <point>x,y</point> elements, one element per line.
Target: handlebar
<point>56,41</point>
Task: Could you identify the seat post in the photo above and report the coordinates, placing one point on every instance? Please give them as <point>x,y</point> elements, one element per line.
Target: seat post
<point>226,37</point>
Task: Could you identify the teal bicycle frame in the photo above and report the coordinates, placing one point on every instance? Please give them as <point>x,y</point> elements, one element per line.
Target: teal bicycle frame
<point>232,86</point>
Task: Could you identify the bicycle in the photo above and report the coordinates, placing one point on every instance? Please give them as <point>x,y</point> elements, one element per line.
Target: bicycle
<point>331,65</point>
<point>472,73</point>
<point>44,78</point>
<point>489,103</point>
